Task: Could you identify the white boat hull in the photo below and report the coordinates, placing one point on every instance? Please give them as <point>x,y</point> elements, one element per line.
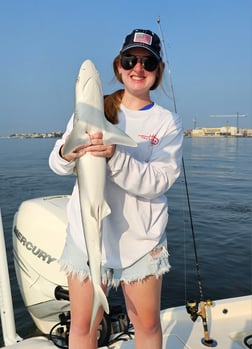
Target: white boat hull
<point>229,322</point>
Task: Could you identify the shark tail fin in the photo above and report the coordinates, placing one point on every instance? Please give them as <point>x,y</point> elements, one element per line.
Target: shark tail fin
<point>100,299</point>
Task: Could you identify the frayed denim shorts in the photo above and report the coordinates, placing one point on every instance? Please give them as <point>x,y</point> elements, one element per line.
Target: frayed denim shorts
<point>74,262</point>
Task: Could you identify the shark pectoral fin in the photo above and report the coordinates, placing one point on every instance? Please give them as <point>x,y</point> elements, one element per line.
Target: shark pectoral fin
<point>113,135</point>
<point>75,140</point>
<point>99,300</point>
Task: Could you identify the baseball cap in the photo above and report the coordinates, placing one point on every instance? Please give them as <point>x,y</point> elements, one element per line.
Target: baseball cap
<point>145,39</point>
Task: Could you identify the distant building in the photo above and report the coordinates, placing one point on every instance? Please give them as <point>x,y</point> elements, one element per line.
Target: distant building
<point>219,131</point>
<point>205,131</point>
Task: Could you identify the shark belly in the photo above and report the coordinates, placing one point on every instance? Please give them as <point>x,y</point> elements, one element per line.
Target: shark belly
<point>91,173</point>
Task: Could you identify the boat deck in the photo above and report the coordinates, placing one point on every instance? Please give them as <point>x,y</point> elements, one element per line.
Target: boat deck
<point>229,322</point>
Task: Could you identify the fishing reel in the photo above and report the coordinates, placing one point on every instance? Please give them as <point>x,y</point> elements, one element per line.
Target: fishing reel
<point>192,308</point>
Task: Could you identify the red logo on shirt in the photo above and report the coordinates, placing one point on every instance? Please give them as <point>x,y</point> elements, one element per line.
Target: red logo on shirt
<point>152,138</point>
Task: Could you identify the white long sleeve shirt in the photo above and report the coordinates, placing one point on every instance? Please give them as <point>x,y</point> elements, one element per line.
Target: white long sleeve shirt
<point>137,180</point>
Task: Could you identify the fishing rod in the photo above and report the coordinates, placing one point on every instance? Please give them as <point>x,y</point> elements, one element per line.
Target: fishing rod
<point>191,306</point>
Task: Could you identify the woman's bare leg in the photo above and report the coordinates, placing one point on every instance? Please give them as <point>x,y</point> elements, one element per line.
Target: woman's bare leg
<point>81,296</point>
<point>142,300</point>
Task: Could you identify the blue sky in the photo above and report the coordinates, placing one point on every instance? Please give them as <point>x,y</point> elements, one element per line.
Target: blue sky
<point>43,44</point>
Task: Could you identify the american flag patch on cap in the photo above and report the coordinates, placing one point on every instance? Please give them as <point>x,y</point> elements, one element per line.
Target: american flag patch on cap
<point>144,38</point>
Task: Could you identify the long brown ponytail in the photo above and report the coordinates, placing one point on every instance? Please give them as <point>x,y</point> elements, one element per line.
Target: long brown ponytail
<point>112,105</point>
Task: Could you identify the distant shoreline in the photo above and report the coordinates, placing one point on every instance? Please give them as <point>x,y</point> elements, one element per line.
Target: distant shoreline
<point>57,134</point>
<point>187,134</point>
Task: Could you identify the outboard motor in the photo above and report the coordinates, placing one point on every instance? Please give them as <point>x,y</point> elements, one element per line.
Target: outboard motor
<point>39,232</point>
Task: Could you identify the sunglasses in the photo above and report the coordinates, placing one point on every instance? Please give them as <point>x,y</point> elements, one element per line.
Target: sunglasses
<point>149,63</point>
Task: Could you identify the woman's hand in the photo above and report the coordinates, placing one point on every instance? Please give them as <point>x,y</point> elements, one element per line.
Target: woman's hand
<point>96,148</point>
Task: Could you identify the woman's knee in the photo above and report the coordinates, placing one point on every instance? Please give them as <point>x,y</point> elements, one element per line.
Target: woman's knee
<point>148,325</point>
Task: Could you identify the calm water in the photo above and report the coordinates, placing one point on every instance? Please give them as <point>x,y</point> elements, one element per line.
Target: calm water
<point>219,175</point>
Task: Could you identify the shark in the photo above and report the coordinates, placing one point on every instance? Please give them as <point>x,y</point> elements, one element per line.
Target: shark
<point>88,119</point>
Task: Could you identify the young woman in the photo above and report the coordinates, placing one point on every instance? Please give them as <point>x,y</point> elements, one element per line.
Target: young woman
<point>134,251</point>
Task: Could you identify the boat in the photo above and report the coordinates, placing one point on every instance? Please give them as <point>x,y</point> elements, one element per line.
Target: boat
<point>38,236</point>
